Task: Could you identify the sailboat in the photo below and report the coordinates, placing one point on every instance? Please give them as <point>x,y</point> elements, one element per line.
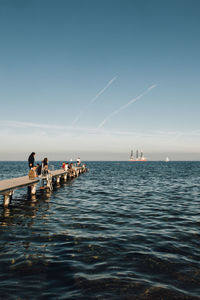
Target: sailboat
<point>167,159</point>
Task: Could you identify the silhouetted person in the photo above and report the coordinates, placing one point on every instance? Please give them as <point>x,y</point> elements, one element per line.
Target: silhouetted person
<point>31,160</point>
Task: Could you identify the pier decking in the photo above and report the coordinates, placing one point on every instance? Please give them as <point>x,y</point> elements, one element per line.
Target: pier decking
<point>8,186</point>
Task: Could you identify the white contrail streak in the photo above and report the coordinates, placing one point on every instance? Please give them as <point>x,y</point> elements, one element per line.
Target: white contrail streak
<point>94,99</point>
<point>103,90</point>
<point>125,106</point>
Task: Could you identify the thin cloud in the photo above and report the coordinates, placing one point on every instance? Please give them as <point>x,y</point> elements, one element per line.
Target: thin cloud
<point>101,131</point>
<point>65,129</point>
<point>14,124</point>
<point>115,112</point>
<point>94,99</point>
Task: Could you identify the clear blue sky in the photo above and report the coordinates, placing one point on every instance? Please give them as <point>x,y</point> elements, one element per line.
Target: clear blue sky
<point>67,66</point>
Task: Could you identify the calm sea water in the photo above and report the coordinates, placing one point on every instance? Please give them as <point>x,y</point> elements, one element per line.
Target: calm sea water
<point>124,230</point>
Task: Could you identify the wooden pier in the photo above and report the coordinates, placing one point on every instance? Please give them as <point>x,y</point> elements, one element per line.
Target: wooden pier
<point>8,186</point>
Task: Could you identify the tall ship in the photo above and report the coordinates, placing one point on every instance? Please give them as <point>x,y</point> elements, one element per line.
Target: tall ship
<point>138,156</point>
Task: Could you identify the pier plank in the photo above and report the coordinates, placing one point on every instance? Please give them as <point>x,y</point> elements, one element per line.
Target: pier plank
<point>58,172</point>
<point>14,183</point>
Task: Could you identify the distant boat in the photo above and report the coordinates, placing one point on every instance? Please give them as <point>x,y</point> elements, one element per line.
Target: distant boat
<point>137,157</point>
<point>167,159</point>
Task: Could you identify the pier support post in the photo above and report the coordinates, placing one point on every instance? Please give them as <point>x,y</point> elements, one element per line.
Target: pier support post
<point>58,180</point>
<point>33,189</point>
<point>7,198</point>
<point>49,183</point>
<point>65,177</point>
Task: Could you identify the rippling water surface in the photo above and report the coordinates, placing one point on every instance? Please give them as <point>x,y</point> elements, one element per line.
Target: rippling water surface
<point>124,230</point>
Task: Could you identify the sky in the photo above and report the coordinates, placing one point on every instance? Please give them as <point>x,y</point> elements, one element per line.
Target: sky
<point>99,78</point>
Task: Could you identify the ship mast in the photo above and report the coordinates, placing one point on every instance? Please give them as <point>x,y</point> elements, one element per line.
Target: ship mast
<point>137,154</point>
<point>131,157</point>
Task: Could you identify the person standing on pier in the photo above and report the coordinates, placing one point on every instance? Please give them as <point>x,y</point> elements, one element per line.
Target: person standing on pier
<point>78,161</point>
<point>31,160</point>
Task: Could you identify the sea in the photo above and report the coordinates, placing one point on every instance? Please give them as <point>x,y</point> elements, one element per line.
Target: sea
<point>123,230</point>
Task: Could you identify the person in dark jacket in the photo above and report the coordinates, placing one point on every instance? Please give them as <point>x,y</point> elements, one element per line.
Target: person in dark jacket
<point>31,160</point>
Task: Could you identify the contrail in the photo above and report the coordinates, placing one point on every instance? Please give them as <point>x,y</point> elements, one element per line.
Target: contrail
<point>125,106</point>
<point>103,90</point>
<point>94,99</point>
